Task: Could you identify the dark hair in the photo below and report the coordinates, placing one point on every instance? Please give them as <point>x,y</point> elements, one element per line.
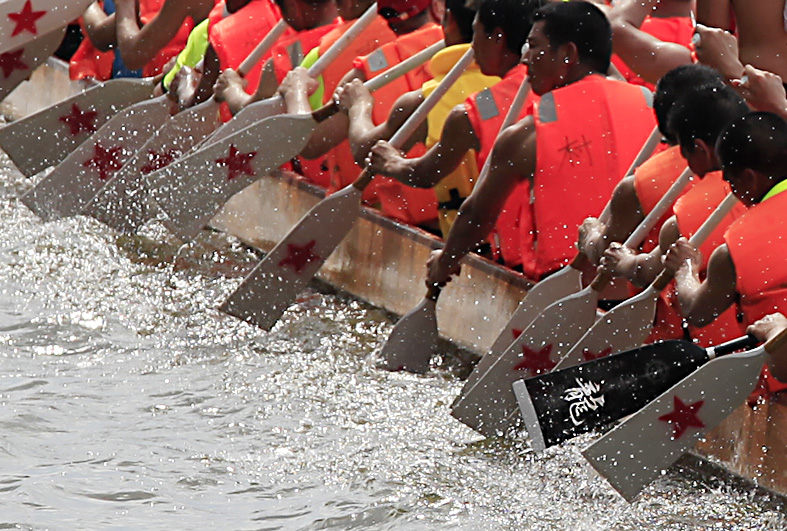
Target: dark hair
<point>583,24</point>
<point>757,141</point>
<point>512,16</point>
<point>464,15</point>
<point>679,82</point>
<point>703,114</point>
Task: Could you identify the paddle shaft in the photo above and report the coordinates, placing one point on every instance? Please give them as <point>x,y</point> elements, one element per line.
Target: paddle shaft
<point>262,48</point>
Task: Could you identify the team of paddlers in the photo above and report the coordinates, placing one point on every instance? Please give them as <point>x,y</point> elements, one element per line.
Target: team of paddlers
<point>718,103</point>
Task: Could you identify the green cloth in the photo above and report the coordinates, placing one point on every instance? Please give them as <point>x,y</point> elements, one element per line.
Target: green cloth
<point>194,51</point>
<point>316,99</point>
<point>779,188</point>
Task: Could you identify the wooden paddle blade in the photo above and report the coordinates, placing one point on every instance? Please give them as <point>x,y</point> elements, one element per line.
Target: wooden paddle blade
<point>249,115</point>
<point>274,283</point>
<point>624,327</point>
<point>17,65</point>
<point>47,137</point>
<point>123,202</point>
<point>75,181</point>
<point>413,340</point>
<point>24,20</point>
<point>192,190</point>
<point>553,288</point>
<point>564,403</point>
<point>635,452</point>
<point>490,406</point>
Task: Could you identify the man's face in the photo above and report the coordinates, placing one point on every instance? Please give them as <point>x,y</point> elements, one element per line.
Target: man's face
<point>742,185</point>
<point>545,65</point>
<point>483,47</point>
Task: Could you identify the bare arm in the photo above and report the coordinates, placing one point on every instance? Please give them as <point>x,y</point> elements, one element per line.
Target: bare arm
<point>701,302</point>
<point>648,56</point>
<point>513,158</point>
<point>714,13</point>
<point>457,138</point>
<point>100,27</point>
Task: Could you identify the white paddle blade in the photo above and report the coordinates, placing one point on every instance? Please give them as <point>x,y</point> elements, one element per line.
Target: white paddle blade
<point>529,416</point>
<point>275,282</point>
<point>553,288</point>
<point>624,327</point>
<point>122,203</point>
<point>249,115</point>
<point>192,190</point>
<point>47,137</point>
<point>490,406</point>
<point>413,340</point>
<point>17,65</point>
<point>75,181</point>
<point>23,20</point>
<point>636,451</point>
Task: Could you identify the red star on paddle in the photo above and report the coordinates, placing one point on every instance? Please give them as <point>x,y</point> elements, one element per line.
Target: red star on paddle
<point>237,163</point>
<point>157,160</point>
<point>536,361</point>
<point>516,333</point>
<point>299,256</point>
<point>683,416</point>
<point>26,19</point>
<point>106,161</point>
<point>10,62</point>
<point>589,355</point>
<point>79,120</point>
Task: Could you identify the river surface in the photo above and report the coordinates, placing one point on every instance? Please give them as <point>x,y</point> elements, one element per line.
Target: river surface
<point>128,402</point>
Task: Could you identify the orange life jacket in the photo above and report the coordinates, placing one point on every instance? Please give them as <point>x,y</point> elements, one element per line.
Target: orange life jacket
<point>398,201</point>
<point>90,62</point>
<point>691,211</point>
<point>234,37</point>
<point>669,29</point>
<point>486,110</point>
<point>587,135</point>
<point>148,9</point>
<point>756,242</point>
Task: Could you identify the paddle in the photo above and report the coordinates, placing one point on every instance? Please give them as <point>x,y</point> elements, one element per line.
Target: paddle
<point>74,181</point>
<point>487,403</point>
<point>23,20</point>
<point>641,447</point>
<point>414,337</point>
<point>192,190</point>
<point>275,105</point>
<point>561,284</point>
<point>628,324</point>
<point>122,202</point>
<point>273,284</point>
<point>564,403</point>
<point>17,65</point>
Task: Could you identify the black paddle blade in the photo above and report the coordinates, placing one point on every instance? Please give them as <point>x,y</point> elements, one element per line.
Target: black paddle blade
<point>563,404</point>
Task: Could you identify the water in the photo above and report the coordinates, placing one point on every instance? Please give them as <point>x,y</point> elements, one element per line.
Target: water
<point>128,402</point>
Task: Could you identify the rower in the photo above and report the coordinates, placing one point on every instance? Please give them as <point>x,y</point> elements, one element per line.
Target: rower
<point>697,120</point>
<point>470,128</point>
<point>567,152</point>
<point>749,266</point>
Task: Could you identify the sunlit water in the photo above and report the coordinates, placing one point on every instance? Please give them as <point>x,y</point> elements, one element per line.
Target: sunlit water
<point>127,401</point>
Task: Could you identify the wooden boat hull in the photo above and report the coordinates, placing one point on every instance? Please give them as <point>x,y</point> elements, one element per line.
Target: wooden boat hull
<point>382,262</point>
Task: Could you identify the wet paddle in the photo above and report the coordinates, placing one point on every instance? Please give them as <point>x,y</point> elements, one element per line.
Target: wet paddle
<point>122,203</point>
<point>414,337</point>
<point>487,403</point>
<point>553,288</point>
<point>23,20</point>
<point>641,447</point>
<point>17,65</point>
<point>628,324</point>
<point>565,403</point>
<point>192,190</point>
<point>271,287</point>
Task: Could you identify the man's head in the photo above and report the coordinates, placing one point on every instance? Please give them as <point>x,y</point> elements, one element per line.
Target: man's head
<point>297,12</point>
<point>752,151</point>
<point>458,22</point>
<point>567,41</point>
<point>404,16</point>
<point>676,83</point>
<point>698,118</point>
<point>500,29</point>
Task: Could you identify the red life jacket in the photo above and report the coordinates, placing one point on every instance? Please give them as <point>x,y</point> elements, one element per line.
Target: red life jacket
<point>410,205</point>
<point>90,62</point>
<point>757,243</point>
<point>486,110</point>
<point>233,38</point>
<point>587,135</point>
<point>670,29</point>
